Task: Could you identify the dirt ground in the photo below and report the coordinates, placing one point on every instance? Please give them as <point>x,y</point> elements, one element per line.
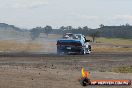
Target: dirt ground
<point>53,71</point>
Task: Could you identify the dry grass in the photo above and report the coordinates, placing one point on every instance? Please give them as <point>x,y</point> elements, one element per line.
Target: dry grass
<point>49,47</point>
<point>110,49</point>
<point>122,69</point>
<point>54,36</point>
<point>7,45</point>
<point>111,45</point>
<point>114,41</point>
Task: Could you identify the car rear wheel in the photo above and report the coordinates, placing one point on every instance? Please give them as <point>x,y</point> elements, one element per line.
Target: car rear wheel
<point>83,52</point>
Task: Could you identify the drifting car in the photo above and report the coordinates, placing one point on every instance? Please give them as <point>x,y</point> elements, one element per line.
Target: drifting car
<point>73,44</point>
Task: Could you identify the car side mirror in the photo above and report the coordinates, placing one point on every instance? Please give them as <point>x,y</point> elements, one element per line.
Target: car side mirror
<point>87,40</point>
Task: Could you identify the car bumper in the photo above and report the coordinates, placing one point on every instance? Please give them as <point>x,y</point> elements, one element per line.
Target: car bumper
<point>69,49</point>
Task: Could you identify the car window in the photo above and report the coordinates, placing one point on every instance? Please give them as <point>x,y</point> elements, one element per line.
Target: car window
<point>78,37</point>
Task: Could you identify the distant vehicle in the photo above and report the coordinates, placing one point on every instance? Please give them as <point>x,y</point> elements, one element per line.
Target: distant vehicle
<point>73,44</point>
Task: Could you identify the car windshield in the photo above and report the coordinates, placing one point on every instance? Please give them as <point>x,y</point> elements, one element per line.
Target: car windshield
<point>78,37</point>
<point>70,36</point>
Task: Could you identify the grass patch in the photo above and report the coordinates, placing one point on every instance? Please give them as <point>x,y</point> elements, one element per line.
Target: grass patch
<point>122,69</point>
<point>111,45</point>
<point>100,48</point>
<point>114,41</point>
<point>54,36</point>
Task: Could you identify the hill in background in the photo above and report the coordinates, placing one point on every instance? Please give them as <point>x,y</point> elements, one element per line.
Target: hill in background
<point>12,32</point>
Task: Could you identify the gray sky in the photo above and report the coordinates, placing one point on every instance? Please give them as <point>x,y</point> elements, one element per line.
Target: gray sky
<point>91,13</point>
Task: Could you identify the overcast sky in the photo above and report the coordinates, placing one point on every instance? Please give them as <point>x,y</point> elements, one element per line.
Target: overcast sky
<point>91,13</point>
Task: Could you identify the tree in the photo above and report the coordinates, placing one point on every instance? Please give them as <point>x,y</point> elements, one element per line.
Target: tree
<point>94,35</point>
<point>34,33</point>
<point>62,28</point>
<point>128,25</point>
<point>101,25</point>
<point>48,29</point>
<point>85,28</point>
<point>69,28</point>
<point>80,28</point>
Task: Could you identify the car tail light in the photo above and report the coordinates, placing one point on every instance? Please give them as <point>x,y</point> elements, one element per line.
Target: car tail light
<point>58,43</point>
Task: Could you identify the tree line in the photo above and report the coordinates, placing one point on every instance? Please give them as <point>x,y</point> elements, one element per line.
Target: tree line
<point>122,31</point>
<point>35,32</point>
